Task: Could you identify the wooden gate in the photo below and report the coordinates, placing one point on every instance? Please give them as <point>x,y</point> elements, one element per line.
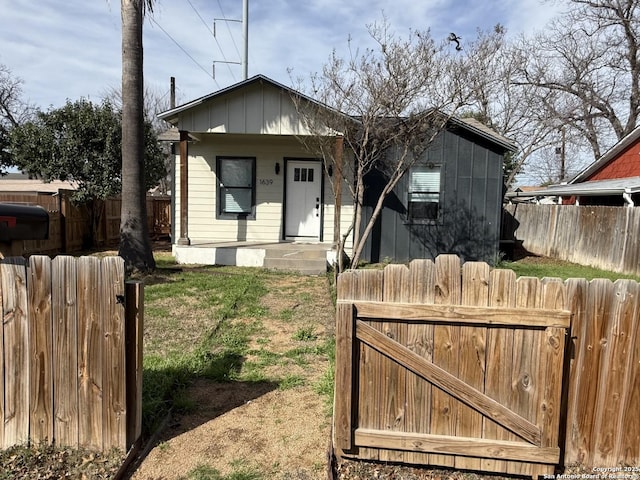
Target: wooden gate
<point>438,364</point>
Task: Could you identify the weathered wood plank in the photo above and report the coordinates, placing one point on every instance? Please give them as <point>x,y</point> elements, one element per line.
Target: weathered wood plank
<point>344,381</point>
<point>444,407</point>
<point>41,349</point>
<point>448,383</point>
<point>590,343</point>
<point>365,285</point>
<point>525,390</point>
<point>16,357</point>
<point>90,353</point>
<point>419,341</point>
<point>494,316</point>
<point>502,293</point>
<point>628,448</point>
<point>395,288</point>
<point>615,381</point>
<point>475,291</point>
<point>577,291</point>
<point>65,351</point>
<point>114,367</point>
<point>3,368</point>
<point>551,368</point>
<point>441,444</point>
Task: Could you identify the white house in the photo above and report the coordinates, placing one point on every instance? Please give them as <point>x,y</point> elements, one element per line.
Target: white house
<point>244,182</point>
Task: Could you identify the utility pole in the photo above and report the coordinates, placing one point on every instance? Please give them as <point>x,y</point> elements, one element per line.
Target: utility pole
<point>173,92</point>
<point>245,40</point>
<point>563,168</point>
<point>561,151</point>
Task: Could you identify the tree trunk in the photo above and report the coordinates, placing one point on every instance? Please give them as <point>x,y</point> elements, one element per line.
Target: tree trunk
<point>359,201</point>
<point>135,245</point>
<point>362,240</point>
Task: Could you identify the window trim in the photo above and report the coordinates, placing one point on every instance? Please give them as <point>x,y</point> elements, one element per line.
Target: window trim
<point>417,220</point>
<point>222,215</point>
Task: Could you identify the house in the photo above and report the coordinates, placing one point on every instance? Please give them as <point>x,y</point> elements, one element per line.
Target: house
<point>450,201</point>
<point>247,192</point>
<point>612,180</point>
<point>244,184</point>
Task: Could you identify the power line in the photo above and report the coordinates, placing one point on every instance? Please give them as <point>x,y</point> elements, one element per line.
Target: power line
<point>229,28</point>
<point>185,52</point>
<point>214,37</point>
<point>201,19</point>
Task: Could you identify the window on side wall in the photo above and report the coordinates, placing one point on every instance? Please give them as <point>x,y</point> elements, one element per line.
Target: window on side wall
<point>236,187</point>
<point>424,192</point>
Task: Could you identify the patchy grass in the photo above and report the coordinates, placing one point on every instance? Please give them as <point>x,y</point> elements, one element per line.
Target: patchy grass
<point>542,267</point>
<point>189,332</point>
<point>206,472</point>
<point>218,338</point>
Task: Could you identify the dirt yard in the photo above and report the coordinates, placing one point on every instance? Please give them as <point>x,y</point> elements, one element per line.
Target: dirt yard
<point>263,429</point>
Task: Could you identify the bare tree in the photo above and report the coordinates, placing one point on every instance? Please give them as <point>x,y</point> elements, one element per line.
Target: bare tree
<point>586,71</point>
<point>513,110</point>
<point>14,110</point>
<point>387,105</point>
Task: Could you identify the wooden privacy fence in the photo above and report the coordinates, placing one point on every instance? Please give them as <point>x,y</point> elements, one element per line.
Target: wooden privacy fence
<point>70,224</point>
<point>463,366</point>
<point>603,237</point>
<point>71,353</point>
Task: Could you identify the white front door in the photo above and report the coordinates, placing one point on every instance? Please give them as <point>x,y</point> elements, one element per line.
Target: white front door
<point>304,179</point>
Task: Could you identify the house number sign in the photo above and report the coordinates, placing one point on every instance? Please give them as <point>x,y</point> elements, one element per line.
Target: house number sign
<point>266,181</point>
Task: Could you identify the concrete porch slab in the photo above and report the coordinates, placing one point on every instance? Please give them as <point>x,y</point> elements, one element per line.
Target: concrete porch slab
<point>307,258</point>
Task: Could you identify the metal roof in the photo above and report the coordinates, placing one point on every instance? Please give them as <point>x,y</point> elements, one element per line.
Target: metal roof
<point>617,186</point>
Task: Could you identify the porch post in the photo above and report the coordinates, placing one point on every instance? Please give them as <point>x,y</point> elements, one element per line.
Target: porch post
<point>337,187</point>
<point>184,189</point>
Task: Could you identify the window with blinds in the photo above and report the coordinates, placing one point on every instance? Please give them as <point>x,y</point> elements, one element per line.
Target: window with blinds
<point>236,187</point>
<point>424,192</point>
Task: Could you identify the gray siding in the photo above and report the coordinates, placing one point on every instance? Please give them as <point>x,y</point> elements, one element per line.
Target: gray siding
<point>471,206</point>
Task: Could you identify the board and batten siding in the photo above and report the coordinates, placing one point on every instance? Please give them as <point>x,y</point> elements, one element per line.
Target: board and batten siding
<point>470,210</point>
<point>258,108</point>
<point>203,224</point>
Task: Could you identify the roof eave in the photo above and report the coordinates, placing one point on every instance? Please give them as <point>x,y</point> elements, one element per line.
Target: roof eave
<point>497,139</point>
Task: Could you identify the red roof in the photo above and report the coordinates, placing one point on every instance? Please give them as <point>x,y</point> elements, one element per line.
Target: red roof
<point>626,164</point>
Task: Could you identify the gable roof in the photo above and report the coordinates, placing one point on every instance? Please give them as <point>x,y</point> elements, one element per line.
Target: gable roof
<point>471,125</point>
<point>479,128</point>
<point>609,155</point>
<point>172,113</point>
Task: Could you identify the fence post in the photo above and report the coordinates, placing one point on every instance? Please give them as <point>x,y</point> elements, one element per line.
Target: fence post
<point>134,324</point>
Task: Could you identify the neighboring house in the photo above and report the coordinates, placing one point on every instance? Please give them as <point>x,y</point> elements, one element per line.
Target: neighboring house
<point>612,180</point>
<point>21,183</point>
<point>450,201</point>
<point>242,178</point>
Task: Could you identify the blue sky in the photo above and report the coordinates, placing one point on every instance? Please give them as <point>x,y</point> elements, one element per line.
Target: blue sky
<point>71,49</point>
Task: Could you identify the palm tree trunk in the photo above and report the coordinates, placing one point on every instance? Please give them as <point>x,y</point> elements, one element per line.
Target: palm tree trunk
<point>135,245</point>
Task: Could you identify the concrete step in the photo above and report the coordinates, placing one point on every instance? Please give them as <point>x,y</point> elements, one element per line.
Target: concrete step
<point>306,266</point>
<point>309,254</point>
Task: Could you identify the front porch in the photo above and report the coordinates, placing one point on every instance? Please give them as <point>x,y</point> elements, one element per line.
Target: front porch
<point>299,257</point>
